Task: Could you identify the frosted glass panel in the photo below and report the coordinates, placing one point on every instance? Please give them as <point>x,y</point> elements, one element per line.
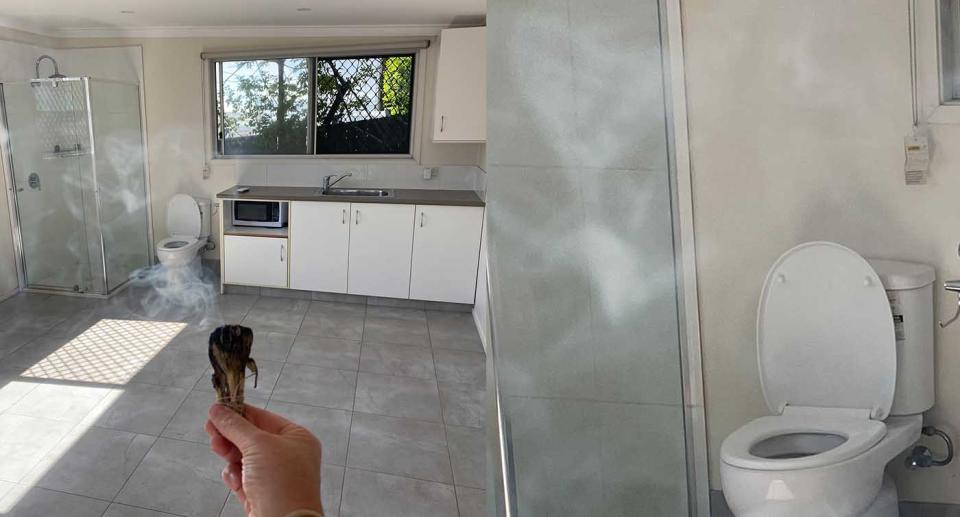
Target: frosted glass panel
<point>120,178</point>
<point>581,257</point>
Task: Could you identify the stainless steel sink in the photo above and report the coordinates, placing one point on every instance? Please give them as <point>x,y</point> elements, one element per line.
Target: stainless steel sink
<point>367,192</point>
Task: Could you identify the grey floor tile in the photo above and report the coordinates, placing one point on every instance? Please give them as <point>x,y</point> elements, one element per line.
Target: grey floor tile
<point>472,502</point>
<point>336,320</point>
<point>454,330</point>
<point>461,367</point>
<point>399,446</point>
<point>233,307</point>
<point>34,351</point>
<point>139,408</point>
<point>232,508</point>
<point>177,477</point>
<point>24,441</point>
<point>40,502</point>
<point>275,304</point>
<point>76,324</point>
<point>272,346</point>
<point>463,404</point>
<point>122,510</point>
<point>395,303</point>
<point>342,354</point>
<point>314,386</point>
<point>331,426</point>
<point>266,379</point>
<point>469,456</point>
<point>404,360</point>
<point>65,402</point>
<point>263,321</point>
<point>187,423</point>
<point>36,322</point>
<point>331,482</point>
<point>371,494</point>
<point>172,367</point>
<point>13,387</point>
<point>398,326</point>
<point>95,463</point>
<point>6,487</point>
<point>10,341</point>
<point>398,396</point>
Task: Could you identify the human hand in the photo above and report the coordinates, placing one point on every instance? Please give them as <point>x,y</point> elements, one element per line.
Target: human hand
<point>273,465</point>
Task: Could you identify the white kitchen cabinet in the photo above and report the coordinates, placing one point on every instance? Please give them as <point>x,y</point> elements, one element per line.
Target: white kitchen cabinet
<point>319,246</point>
<point>259,261</point>
<point>460,108</point>
<point>381,237</point>
<point>446,251</point>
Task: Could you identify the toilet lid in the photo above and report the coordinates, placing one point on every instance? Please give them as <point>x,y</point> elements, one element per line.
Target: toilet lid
<point>825,333</point>
<point>183,216</point>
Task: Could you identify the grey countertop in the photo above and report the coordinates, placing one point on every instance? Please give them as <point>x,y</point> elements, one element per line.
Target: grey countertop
<point>398,196</point>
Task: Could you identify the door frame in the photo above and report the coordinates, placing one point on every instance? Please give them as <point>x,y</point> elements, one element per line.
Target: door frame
<point>688,302</point>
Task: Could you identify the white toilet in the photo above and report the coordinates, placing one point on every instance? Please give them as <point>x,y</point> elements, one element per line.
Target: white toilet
<point>846,383</point>
<point>188,226</point>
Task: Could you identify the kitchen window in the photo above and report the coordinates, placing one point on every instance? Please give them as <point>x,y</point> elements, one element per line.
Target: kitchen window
<point>358,104</point>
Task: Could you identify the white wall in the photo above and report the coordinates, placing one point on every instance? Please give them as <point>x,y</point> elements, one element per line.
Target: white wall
<point>174,106</point>
<point>797,114</point>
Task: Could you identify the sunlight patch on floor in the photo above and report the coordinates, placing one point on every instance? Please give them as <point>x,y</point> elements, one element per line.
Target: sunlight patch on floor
<point>110,352</point>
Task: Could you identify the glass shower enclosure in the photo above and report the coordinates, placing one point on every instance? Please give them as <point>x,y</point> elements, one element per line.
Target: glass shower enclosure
<point>74,158</point>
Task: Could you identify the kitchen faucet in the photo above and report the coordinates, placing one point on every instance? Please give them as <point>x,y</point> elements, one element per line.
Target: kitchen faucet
<point>327,183</point>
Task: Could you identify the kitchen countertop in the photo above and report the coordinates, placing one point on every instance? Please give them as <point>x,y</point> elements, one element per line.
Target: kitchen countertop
<point>400,196</point>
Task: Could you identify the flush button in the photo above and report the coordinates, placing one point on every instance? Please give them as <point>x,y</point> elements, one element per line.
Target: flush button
<point>867,281</point>
<point>781,279</point>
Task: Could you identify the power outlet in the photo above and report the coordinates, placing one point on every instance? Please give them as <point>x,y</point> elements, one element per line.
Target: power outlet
<point>427,173</point>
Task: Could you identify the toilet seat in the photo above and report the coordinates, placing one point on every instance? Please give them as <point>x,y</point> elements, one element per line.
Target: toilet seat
<point>177,242</point>
<point>858,434</point>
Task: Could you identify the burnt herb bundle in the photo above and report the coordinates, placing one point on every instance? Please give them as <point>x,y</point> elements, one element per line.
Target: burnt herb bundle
<point>229,353</point>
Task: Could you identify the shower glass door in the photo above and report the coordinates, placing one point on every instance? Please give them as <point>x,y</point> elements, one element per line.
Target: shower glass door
<point>49,154</point>
<point>121,179</point>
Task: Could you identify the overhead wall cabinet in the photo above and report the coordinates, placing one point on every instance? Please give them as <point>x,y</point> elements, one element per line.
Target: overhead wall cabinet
<point>460,109</point>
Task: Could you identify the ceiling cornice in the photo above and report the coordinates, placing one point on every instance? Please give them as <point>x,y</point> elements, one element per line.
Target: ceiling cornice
<point>296,31</point>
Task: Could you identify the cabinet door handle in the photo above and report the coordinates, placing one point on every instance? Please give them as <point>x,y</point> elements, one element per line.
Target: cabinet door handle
<point>343,216</point>
<point>283,252</point>
<point>421,219</point>
<point>442,120</point>
<point>357,217</point>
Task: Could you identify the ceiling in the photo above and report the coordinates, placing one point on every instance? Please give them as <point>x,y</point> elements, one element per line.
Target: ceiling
<point>72,17</point>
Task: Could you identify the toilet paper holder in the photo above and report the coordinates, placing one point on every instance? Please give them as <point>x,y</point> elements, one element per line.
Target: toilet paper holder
<point>954,287</point>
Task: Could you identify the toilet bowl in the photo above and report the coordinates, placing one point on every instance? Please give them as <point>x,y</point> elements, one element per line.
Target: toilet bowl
<point>188,226</point>
<point>827,352</point>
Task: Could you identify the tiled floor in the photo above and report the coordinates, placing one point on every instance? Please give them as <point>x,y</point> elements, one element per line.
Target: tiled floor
<point>102,405</point>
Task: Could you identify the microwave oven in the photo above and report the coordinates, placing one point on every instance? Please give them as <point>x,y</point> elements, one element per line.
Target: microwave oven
<point>269,214</point>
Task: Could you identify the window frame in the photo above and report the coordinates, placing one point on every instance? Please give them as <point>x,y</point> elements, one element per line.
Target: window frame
<point>211,88</point>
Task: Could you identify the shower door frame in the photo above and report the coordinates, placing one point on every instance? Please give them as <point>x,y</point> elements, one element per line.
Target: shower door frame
<point>13,203</point>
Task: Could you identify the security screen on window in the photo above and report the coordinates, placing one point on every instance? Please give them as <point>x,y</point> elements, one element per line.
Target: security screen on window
<point>343,105</point>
